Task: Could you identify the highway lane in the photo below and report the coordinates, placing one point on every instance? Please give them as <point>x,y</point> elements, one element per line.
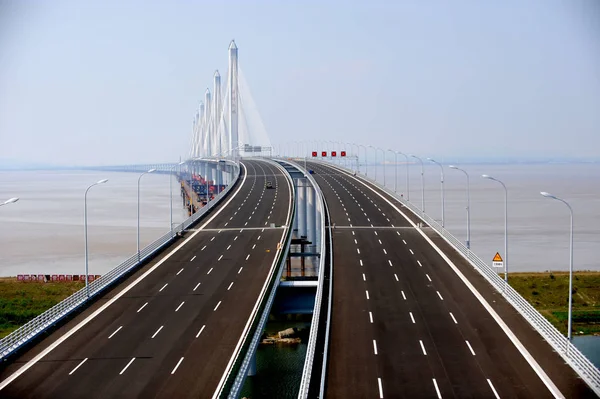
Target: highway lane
<point>404,324</point>
<point>174,333</point>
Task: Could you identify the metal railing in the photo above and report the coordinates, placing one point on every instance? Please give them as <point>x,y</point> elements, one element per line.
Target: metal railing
<point>569,352</point>
<point>50,317</point>
<point>248,349</point>
<point>314,325</point>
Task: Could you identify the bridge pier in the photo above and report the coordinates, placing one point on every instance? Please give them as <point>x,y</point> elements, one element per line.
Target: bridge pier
<point>311,215</point>
<point>301,205</point>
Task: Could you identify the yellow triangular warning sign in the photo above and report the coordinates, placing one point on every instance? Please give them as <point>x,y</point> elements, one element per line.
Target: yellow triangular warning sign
<point>497,258</point>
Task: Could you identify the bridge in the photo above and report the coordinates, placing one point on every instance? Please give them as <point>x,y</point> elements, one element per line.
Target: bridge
<point>401,307</point>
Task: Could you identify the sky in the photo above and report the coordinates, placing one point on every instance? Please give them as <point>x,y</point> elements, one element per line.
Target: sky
<point>115,82</point>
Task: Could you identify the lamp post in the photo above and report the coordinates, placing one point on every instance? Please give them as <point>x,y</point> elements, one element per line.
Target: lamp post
<point>505,226</point>
<point>442,184</point>
<point>570,322</point>
<point>10,201</point>
<point>171,193</point>
<point>138,211</point>
<point>383,151</point>
<point>396,169</point>
<point>468,205</point>
<point>87,288</point>
<point>366,163</point>
<point>422,184</point>
<point>407,184</point>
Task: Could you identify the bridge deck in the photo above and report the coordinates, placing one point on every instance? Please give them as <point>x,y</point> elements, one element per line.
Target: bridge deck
<point>405,325</point>
<point>174,332</point>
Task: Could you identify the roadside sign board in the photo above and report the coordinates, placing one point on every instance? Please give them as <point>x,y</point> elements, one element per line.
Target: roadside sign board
<point>497,260</point>
<point>323,153</point>
<point>343,153</point>
<point>333,153</point>
<point>314,153</point>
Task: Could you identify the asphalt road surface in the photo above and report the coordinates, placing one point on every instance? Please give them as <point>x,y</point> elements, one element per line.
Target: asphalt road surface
<point>403,324</point>
<point>174,333</point>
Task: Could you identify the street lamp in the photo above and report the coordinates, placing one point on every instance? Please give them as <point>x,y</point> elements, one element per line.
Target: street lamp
<point>138,211</point>
<point>366,163</point>
<point>383,151</point>
<point>407,184</point>
<point>442,183</point>
<point>171,192</point>
<point>87,288</point>
<point>505,226</point>
<point>422,184</point>
<point>10,201</point>
<point>570,322</point>
<point>396,170</point>
<point>468,205</point>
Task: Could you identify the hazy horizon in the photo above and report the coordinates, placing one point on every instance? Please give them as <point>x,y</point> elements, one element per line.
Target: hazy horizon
<point>105,83</point>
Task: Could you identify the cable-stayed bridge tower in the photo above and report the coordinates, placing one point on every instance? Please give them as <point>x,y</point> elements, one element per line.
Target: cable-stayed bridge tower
<point>227,123</point>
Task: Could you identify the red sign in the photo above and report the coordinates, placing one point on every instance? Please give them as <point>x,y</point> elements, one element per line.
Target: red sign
<point>333,153</point>
<point>314,153</point>
<point>343,153</point>
<point>323,153</point>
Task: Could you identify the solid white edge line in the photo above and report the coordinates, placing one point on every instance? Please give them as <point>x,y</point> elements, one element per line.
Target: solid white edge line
<point>84,360</point>
<point>437,390</point>
<point>85,321</point>
<point>177,366</point>
<point>260,297</point>
<point>493,389</point>
<point>520,347</point>
<point>380,388</point>
<point>126,366</point>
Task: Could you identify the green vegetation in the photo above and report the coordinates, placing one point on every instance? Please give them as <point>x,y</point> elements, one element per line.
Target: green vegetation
<point>548,293</point>
<point>22,301</point>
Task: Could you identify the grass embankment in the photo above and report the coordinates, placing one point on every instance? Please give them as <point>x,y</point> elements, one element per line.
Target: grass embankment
<point>548,293</point>
<point>22,301</point>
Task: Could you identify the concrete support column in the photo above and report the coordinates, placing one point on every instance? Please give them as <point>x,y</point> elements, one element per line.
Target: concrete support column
<point>311,211</point>
<point>301,207</point>
<point>295,224</point>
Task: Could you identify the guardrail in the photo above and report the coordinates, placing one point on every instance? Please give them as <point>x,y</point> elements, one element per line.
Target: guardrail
<point>569,352</point>
<point>314,326</point>
<point>232,389</point>
<point>50,317</point>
